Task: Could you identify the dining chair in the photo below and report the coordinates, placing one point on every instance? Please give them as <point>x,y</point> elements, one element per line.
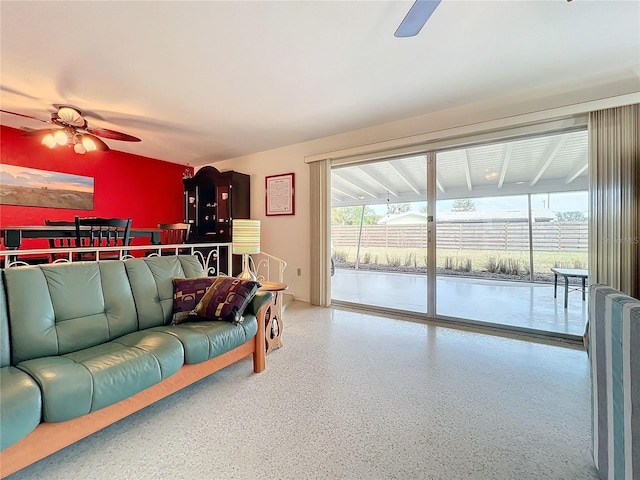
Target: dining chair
<point>66,242</point>
<point>174,233</point>
<point>103,232</point>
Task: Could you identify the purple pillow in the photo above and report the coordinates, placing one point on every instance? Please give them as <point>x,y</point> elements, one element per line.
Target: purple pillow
<point>226,299</point>
<point>187,292</point>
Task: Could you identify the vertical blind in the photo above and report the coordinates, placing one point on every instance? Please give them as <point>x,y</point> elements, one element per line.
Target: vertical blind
<point>614,206</point>
<point>320,232</point>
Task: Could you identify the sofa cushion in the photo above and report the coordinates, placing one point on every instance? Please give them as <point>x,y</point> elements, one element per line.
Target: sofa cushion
<point>20,406</point>
<point>152,286</point>
<point>187,292</point>
<point>204,340</point>
<point>46,320</point>
<point>227,299</point>
<point>90,379</point>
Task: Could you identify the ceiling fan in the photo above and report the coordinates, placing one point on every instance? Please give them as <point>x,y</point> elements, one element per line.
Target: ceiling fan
<point>416,18</point>
<point>74,131</point>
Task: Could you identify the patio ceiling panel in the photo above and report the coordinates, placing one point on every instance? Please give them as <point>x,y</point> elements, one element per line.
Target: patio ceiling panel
<point>485,163</point>
<point>415,169</point>
<point>571,162</point>
<point>380,176</point>
<point>527,158</point>
<point>405,177</point>
<point>553,163</point>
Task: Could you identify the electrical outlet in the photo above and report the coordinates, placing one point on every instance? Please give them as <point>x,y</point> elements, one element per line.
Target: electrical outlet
<point>299,272</point>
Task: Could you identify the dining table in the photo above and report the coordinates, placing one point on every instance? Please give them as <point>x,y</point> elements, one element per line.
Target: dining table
<point>12,236</point>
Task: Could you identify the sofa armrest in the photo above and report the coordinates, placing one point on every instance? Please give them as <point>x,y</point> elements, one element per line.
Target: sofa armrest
<point>259,300</point>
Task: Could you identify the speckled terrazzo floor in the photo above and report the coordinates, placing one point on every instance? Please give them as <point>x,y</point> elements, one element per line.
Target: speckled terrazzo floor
<point>355,396</point>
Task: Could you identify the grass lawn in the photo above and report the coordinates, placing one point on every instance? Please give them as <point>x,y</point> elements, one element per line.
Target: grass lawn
<point>468,260</point>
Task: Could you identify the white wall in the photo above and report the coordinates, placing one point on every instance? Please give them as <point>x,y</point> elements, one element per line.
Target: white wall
<point>288,237</point>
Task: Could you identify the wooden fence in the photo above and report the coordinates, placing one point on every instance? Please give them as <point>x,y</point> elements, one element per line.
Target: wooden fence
<point>548,237</point>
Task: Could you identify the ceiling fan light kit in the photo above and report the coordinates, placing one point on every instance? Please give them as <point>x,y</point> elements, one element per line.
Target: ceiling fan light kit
<point>75,132</point>
<point>81,143</point>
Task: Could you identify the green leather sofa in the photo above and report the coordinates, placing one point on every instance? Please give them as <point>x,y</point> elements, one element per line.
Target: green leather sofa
<point>20,399</point>
<point>87,335</point>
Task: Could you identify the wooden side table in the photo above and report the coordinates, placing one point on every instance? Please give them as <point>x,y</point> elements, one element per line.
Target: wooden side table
<point>273,334</point>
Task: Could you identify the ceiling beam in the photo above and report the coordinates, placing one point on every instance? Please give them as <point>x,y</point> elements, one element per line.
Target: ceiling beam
<point>505,164</point>
<point>354,185</point>
<point>546,164</point>
<point>576,172</point>
<point>406,180</point>
<point>467,172</point>
<point>377,181</point>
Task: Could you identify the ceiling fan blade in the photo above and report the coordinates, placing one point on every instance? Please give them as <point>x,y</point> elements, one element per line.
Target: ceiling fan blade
<point>25,116</point>
<point>112,134</point>
<point>17,92</point>
<point>416,18</point>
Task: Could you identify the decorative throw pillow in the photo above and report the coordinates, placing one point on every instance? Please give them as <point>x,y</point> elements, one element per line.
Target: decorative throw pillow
<point>226,299</point>
<point>187,292</point>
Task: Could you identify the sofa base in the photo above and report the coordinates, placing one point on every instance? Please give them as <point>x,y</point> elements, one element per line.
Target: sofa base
<point>48,438</point>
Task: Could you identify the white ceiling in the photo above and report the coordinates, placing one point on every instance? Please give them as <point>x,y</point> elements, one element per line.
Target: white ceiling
<point>202,81</point>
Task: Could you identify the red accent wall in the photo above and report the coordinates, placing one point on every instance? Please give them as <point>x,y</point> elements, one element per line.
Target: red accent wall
<point>149,191</point>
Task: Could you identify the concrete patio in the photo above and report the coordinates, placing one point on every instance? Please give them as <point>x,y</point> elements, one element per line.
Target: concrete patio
<point>518,304</point>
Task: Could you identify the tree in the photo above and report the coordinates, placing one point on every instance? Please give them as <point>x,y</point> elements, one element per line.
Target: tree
<point>395,208</point>
<point>352,215</point>
<point>463,205</point>
<point>571,217</point>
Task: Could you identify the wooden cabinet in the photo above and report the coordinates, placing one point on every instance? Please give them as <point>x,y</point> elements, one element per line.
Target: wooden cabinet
<point>212,199</point>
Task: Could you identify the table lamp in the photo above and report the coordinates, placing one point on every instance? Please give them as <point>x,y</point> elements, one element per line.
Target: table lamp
<point>246,240</point>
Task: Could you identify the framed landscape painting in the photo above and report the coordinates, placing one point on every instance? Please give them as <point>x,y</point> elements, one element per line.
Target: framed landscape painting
<point>40,188</point>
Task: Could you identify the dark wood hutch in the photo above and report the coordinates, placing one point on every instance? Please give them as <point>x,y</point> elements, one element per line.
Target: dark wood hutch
<point>212,199</point>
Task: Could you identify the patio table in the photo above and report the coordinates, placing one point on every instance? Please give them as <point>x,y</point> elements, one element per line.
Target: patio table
<point>568,273</point>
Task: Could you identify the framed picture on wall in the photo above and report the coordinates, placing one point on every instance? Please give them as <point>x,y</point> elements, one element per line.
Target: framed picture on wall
<point>280,194</point>
<point>30,187</point>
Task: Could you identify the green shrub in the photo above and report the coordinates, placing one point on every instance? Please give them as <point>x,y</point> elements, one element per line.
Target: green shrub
<point>340,256</point>
<point>464,265</point>
<point>506,266</point>
<point>492,265</point>
<point>393,261</point>
<point>449,263</point>
<point>408,260</point>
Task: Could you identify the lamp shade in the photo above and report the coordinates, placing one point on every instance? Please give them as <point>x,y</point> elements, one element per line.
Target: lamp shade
<point>246,236</point>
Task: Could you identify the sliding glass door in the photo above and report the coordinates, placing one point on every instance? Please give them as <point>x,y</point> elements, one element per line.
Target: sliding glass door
<point>518,210</point>
<point>466,234</point>
<point>379,233</point>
